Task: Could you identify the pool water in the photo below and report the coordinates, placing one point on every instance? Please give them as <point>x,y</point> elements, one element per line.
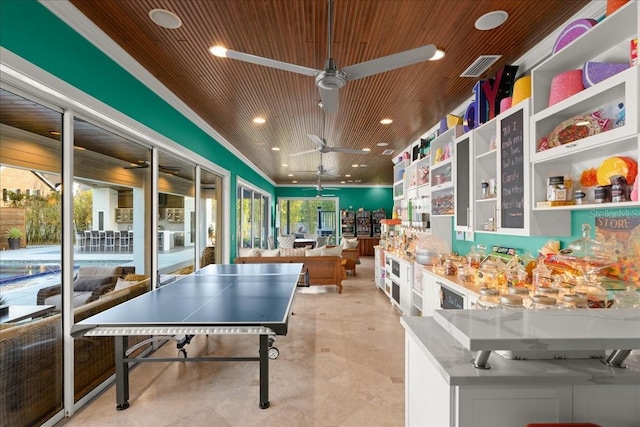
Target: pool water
<point>14,271</point>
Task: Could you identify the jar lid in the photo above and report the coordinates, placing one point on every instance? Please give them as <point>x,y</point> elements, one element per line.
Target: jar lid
<point>518,291</point>
<point>547,290</point>
<point>511,300</point>
<point>544,300</point>
<point>577,298</point>
<point>490,292</point>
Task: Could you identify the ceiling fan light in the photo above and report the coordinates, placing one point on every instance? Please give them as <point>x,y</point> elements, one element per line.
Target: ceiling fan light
<point>438,55</point>
<point>331,81</point>
<point>165,19</point>
<point>218,51</point>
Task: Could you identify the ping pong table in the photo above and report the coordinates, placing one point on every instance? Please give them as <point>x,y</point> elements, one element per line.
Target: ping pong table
<point>230,299</point>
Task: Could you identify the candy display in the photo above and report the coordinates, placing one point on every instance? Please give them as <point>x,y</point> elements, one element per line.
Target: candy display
<point>618,165</point>
<point>572,32</point>
<point>595,72</point>
<point>609,116</point>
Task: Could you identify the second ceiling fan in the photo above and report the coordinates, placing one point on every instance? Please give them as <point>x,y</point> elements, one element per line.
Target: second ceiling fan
<point>330,79</point>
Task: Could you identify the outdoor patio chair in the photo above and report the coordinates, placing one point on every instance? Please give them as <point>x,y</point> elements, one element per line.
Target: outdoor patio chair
<point>94,240</point>
<point>109,240</point>
<point>124,240</point>
<point>81,240</point>
<point>286,241</point>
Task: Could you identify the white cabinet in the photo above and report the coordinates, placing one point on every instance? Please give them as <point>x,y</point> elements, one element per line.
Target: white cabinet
<point>463,177</point>
<point>379,267</point>
<point>441,172</point>
<point>500,184</point>
<point>400,279</point>
<point>608,41</point>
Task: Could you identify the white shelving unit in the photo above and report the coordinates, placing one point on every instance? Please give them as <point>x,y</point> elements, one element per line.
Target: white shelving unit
<point>608,41</point>
<point>441,172</point>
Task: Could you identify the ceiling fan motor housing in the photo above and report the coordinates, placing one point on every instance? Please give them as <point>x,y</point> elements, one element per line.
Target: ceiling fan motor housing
<point>331,79</point>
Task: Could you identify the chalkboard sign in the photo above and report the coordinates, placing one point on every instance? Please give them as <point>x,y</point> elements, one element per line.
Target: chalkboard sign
<point>462,183</point>
<point>512,170</point>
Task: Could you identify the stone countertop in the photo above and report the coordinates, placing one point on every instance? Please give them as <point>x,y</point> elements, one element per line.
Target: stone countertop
<point>453,361</point>
<point>583,329</point>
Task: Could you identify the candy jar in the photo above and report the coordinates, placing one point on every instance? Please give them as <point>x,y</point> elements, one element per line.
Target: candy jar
<point>629,298</point>
<point>541,277</point>
<point>589,257</point>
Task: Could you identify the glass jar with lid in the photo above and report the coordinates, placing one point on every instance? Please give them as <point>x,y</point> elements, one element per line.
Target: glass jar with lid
<point>489,299</point>
<point>541,276</point>
<point>629,298</point>
<point>550,292</point>
<point>523,293</point>
<point>574,301</point>
<point>543,302</point>
<point>510,301</point>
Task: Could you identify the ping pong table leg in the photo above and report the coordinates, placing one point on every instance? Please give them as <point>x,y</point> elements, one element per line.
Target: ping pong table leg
<point>264,371</point>
<point>122,374</point>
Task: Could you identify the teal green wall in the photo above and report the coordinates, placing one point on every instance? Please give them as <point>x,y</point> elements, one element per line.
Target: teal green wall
<point>29,30</point>
<point>367,198</point>
<point>533,244</point>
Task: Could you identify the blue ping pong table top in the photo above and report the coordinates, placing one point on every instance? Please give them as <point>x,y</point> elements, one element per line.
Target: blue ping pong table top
<point>216,295</point>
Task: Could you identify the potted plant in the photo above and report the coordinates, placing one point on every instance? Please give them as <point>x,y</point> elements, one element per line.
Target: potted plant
<point>13,235</point>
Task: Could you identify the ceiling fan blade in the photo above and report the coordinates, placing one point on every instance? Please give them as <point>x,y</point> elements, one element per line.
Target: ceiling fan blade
<point>390,62</point>
<point>272,63</point>
<point>329,99</point>
<point>304,152</point>
<point>347,150</point>
<point>317,140</point>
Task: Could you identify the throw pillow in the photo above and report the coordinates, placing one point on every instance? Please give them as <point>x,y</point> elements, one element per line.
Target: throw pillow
<point>92,271</point>
<point>292,252</point>
<point>334,251</point>
<point>247,252</point>
<point>270,252</point>
<point>314,252</point>
<point>88,284</point>
<point>124,283</point>
<point>350,243</point>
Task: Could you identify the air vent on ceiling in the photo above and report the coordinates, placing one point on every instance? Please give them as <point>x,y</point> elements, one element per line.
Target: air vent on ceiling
<point>480,65</point>
<point>388,152</point>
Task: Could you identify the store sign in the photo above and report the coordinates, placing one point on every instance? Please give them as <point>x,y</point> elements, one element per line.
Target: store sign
<point>487,97</point>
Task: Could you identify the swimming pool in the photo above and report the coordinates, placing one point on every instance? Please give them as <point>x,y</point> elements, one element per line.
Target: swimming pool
<point>13,271</point>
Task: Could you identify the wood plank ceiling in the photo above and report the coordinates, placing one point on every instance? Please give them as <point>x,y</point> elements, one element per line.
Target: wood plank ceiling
<point>228,93</point>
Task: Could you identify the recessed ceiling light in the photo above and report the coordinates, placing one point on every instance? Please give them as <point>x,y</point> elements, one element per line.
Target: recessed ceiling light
<point>275,148</point>
<point>363,166</point>
<point>366,149</point>
<point>165,19</point>
<point>285,165</point>
<point>386,121</point>
<point>491,20</point>
<point>259,120</point>
<point>438,55</point>
<point>294,182</point>
<point>382,144</point>
<point>290,174</point>
<point>348,175</point>
<point>343,182</point>
<point>354,166</point>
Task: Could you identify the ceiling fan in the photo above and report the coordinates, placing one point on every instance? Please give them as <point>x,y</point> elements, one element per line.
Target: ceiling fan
<point>319,188</point>
<point>320,170</point>
<point>143,165</point>
<point>330,79</point>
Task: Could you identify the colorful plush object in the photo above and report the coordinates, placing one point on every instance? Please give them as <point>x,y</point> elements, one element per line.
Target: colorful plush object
<point>572,32</point>
<point>521,90</point>
<point>505,104</point>
<point>634,193</point>
<point>595,72</point>
<point>564,85</point>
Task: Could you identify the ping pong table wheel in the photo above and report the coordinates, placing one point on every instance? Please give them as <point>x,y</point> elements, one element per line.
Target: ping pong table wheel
<point>273,353</point>
<point>182,353</point>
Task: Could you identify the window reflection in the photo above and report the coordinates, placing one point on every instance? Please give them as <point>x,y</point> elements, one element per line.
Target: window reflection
<point>31,380</point>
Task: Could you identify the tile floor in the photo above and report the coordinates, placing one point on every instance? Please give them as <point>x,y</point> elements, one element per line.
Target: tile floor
<point>341,364</point>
